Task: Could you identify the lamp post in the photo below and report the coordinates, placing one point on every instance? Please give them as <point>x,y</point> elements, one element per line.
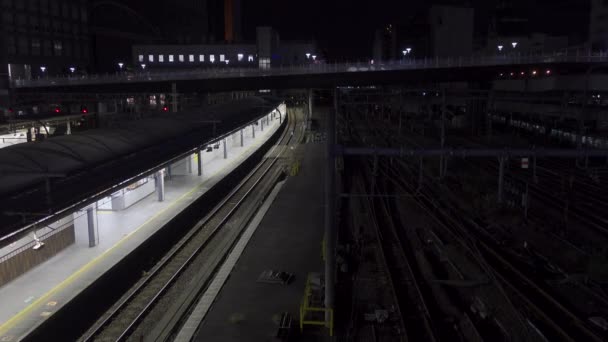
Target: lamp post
<point>120,65</point>
<point>143,67</point>
<point>308,55</point>
<point>72,69</point>
<point>314,57</point>
<point>500,47</point>
<point>514,44</point>
<point>43,70</point>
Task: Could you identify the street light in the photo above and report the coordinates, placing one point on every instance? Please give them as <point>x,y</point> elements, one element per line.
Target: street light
<point>307,55</point>
<point>143,67</point>
<point>43,69</point>
<point>500,47</point>
<point>404,52</point>
<point>514,44</point>
<point>408,50</point>
<point>120,65</point>
<point>227,61</point>
<point>72,69</point>
<point>314,57</point>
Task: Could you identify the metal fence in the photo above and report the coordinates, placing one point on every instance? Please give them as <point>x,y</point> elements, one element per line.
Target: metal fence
<point>567,56</point>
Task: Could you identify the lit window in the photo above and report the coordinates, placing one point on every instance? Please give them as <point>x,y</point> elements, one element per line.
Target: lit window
<point>240,57</point>
<point>181,58</point>
<point>201,58</point>
<point>161,58</point>
<point>191,58</point>
<point>250,58</point>
<point>171,59</point>
<point>141,58</point>
<point>57,47</point>
<point>212,58</point>
<point>222,58</point>
<point>264,63</point>
<point>150,58</point>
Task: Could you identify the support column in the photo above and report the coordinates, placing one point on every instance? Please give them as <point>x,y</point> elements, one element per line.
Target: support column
<point>68,130</point>
<point>309,117</point>
<point>501,176</point>
<point>160,185</point>
<point>242,139</point>
<point>442,157</point>
<point>253,131</point>
<point>200,161</point>
<point>174,97</point>
<point>91,224</point>
<point>225,149</point>
<point>262,124</point>
<point>330,238</point>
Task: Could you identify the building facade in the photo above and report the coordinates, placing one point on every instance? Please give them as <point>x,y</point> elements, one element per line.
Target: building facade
<point>45,36</point>
<point>598,25</point>
<point>268,50</point>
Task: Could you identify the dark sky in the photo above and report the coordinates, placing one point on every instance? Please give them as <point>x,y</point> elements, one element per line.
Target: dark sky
<point>345,28</point>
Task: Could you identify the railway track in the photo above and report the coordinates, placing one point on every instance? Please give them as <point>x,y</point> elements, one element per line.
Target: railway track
<point>544,313</point>
<point>201,250</point>
<point>405,284</point>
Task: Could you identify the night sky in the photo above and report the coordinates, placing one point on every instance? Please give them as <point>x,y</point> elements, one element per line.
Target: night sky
<point>344,29</point>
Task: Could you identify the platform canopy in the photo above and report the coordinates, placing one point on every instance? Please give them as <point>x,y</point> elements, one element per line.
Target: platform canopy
<point>41,178</point>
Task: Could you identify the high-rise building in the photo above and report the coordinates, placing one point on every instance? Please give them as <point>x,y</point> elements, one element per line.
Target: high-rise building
<point>232,21</point>
<point>451,31</point>
<point>385,43</point>
<point>598,25</point>
<point>44,36</point>
<point>511,18</point>
<point>40,37</point>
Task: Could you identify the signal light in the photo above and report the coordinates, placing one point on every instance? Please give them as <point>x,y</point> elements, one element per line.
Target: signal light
<point>57,110</point>
<point>84,110</point>
<point>165,109</point>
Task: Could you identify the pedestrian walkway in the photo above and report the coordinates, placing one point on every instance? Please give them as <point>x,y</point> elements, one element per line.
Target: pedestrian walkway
<point>32,297</point>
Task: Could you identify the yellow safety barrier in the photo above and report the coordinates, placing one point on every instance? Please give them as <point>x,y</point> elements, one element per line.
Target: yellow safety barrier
<point>307,312</point>
<point>295,168</point>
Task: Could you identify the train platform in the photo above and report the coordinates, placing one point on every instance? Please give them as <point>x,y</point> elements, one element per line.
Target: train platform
<point>287,238</point>
<point>35,295</point>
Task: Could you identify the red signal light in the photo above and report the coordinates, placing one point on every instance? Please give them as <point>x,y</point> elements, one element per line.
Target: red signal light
<point>165,109</point>
<point>84,110</point>
<point>57,110</point>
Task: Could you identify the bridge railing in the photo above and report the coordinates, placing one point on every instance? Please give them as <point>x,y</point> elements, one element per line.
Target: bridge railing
<point>567,56</point>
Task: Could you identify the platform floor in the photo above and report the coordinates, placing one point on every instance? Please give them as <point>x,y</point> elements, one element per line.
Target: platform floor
<point>288,238</point>
<point>30,299</point>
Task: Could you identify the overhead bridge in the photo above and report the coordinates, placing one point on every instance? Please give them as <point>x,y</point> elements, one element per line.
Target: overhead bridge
<point>475,68</point>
